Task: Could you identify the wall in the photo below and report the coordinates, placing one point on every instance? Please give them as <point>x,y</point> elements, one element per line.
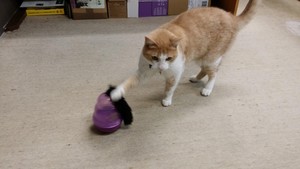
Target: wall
<point>7,9</point>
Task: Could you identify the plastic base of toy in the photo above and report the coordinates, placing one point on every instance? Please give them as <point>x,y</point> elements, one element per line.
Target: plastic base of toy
<point>106,118</point>
<point>110,128</point>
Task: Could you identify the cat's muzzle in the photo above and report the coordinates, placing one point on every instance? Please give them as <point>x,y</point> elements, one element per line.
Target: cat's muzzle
<point>150,67</point>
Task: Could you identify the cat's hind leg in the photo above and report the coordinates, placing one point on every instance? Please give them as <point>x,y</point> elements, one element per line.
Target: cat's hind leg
<point>206,91</point>
<point>211,70</point>
<point>197,78</point>
<point>212,74</point>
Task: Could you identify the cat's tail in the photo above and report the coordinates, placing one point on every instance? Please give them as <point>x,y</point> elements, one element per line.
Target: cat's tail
<point>245,17</point>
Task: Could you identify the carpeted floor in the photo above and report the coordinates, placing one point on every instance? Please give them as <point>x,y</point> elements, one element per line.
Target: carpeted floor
<point>52,69</point>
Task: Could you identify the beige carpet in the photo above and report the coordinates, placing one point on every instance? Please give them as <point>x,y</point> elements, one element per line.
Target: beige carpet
<point>52,70</point>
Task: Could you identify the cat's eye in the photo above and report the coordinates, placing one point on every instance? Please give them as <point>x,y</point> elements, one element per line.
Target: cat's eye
<point>168,59</point>
<point>155,58</point>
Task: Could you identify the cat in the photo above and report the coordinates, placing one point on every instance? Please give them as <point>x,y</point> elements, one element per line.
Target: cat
<point>202,35</point>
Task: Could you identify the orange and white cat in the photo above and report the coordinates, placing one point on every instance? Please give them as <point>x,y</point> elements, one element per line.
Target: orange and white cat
<point>202,35</point>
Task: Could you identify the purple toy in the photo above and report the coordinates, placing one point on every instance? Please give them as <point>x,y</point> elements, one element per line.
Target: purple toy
<point>108,115</point>
<point>106,118</point>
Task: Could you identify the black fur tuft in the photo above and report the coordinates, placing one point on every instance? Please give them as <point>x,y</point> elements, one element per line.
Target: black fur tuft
<point>122,107</point>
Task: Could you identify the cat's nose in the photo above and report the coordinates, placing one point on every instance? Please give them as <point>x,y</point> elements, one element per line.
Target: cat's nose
<point>162,67</point>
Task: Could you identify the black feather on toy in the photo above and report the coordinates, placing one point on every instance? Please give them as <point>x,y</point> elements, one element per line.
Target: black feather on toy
<point>122,107</point>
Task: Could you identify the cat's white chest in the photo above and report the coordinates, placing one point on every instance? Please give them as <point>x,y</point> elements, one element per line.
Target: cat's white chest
<point>178,64</point>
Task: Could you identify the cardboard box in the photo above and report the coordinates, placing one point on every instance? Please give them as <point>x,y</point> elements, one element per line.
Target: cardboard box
<point>176,7</point>
<point>153,8</point>
<point>117,8</point>
<point>133,8</point>
<point>94,9</point>
<point>198,3</point>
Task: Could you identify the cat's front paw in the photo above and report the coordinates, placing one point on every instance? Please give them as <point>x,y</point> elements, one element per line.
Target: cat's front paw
<point>206,92</point>
<point>117,94</point>
<point>166,102</point>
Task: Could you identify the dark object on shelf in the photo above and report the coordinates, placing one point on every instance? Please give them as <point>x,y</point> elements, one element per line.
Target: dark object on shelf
<point>68,9</point>
<point>227,5</point>
<point>98,11</point>
<point>59,1</point>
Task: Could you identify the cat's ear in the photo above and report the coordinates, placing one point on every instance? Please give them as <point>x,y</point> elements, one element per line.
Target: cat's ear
<point>174,41</point>
<point>150,43</point>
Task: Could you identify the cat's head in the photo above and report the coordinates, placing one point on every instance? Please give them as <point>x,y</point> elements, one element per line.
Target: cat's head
<point>160,48</point>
